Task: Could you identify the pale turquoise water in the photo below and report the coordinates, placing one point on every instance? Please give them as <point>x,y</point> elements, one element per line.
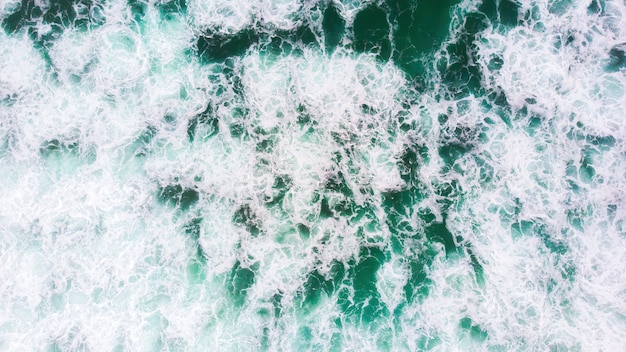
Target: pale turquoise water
<point>312,176</point>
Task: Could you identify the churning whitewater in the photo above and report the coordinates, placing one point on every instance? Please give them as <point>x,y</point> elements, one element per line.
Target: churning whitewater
<point>326,175</point>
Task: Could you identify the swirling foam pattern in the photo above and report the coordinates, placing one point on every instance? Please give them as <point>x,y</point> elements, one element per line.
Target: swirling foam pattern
<point>328,175</point>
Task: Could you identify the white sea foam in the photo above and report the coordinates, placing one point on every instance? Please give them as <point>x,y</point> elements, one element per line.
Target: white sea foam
<point>91,259</point>
<point>540,175</point>
<point>229,16</point>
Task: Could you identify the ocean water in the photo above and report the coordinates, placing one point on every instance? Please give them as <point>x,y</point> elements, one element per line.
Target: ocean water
<point>324,175</point>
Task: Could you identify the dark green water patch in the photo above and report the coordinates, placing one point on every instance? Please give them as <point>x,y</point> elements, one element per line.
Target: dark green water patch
<point>26,15</point>
<point>371,32</point>
<point>204,124</point>
<point>420,255</point>
<point>473,330</point>
<point>289,42</point>
<point>611,211</point>
<point>426,215</point>
<point>63,156</point>
<point>413,157</point>
<point>304,231</point>
<point>231,72</point>
<point>337,183</point>
<point>458,68</point>
<point>214,46</point>
<point>334,27</point>
<point>266,141</point>
<point>447,193</point>
<point>335,207</point>
<point>192,228</point>
<point>169,7</point>
<point>241,279</point>
<point>317,285</point>
<point>554,246</point>
<point>238,130</point>
<point>277,303</point>
<point>602,142</point>
<point>399,206</point>
<point>246,218</point>
<point>138,9</point>
<point>58,15</point>
<point>586,171</point>
<point>534,124</point>
<point>420,26</point>
<point>499,103</point>
<point>170,119</point>
<point>495,62</point>
<point>282,184</point>
<point>9,99</point>
<point>487,173</point>
<point>559,249</point>
<point>505,12</point>
<point>265,342</point>
<point>479,271</point>
<point>339,206</point>
<point>338,199</point>
<point>178,196</point>
<point>418,284</point>
<point>439,233</point>
<point>451,152</point>
<point>238,126</point>
<point>363,304</point>
<point>575,218</point>
<point>294,39</point>
<point>617,58</point>
<point>278,45</point>
<point>455,143</point>
<point>304,118</point>
<point>596,7</point>
<point>58,147</point>
<point>147,136</point>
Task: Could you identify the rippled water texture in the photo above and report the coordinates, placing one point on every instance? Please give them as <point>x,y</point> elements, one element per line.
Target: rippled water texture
<point>290,175</point>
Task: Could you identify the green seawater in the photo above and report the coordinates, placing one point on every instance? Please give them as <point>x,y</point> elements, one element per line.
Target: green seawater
<point>323,176</point>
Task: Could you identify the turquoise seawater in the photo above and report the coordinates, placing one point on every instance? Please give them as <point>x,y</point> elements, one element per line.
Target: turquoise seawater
<point>325,175</point>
